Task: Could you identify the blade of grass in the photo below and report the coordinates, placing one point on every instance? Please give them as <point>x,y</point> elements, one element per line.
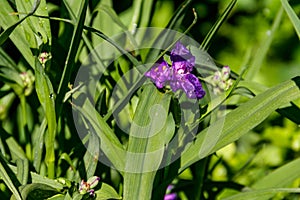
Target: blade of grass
<point>137,7</point>
<point>19,156</point>
<point>281,177</point>
<point>5,60</point>
<point>292,15</point>
<point>239,121</point>
<point>9,178</point>
<point>38,146</point>
<point>110,144</point>
<point>146,13</point>
<point>45,94</point>
<point>164,38</point>
<point>70,60</point>
<point>92,155</point>
<point>178,13</point>
<point>87,42</point>
<point>262,194</point>
<point>146,143</point>
<point>263,48</point>
<point>212,32</point>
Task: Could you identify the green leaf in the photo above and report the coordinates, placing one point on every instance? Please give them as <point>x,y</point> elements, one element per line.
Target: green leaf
<point>37,30</point>
<point>5,60</point>
<point>45,94</point>
<point>66,157</point>
<point>38,145</point>
<point>58,197</point>
<point>110,144</point>
<point>146,13</point>
<point>261,194</point>
<point>116,20</point>
<point>212,32</point>
<point>204,62</point>
<point>239,121</point>
<point>292,15</point>
<point>9,178</point>
<point>282,177</point>
<point>146,143</point>
<point>14,31</point>
<point>92,155</point>
<point>263,48</point>
<point>106,192</point>
<point>37,191</point>
<point>19,156</point>
<point>70,60</point>
<point>12,78</point>
<point>37,178</point>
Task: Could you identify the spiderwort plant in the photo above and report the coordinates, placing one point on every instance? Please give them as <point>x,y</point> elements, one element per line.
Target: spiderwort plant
<point>179,76</point>
<point>136,137</point>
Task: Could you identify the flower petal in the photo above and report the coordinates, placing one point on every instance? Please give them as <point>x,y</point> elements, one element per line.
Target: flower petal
<point>160,73</point>
<point>182,60</point>
<point>197,91</point>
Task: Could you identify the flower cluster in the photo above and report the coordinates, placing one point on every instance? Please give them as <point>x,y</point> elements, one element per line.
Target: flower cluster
<point>44,57</point>
<point>179,75</point>
<point>87,187</point>
<point>220,80</point>
<point>28,82</point>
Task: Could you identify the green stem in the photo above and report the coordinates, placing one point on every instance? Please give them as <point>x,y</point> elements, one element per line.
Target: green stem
<point>25,127</point>
<point>137,6</point>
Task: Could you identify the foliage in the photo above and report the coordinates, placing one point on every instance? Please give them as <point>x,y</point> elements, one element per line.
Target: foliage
<point>80,120</point>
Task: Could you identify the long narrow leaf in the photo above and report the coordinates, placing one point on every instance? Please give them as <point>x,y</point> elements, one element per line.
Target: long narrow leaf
<point>110,144</point>
<point>9,178</point>
<point>241,120</point>
<point>45,94</point>
<point>14,31</point>
<point>37,30</point>
<point>262,194</point>
<point>37,178</point>
<point>38,146</point>
<point>263,48</point>
<point>292,15</point>
<point>217,25</point>
<point>19,156</point>
<point>70,60</point>
<point>281,177</point>
<point>146,143</point>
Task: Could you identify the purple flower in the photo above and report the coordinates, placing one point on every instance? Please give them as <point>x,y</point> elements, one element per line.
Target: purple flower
<point>182,60</point>
<point>172,196</point>
<point>160,73</point>
<point>169,195</point>
<point>179,74</point>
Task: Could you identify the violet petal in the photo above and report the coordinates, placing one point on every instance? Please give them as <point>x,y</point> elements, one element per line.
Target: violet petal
<point>182,59</point>
<point>198,90</point>
<point>160,73</point>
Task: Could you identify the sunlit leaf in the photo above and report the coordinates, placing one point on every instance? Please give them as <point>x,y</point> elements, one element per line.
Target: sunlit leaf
<point>241,120</point>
